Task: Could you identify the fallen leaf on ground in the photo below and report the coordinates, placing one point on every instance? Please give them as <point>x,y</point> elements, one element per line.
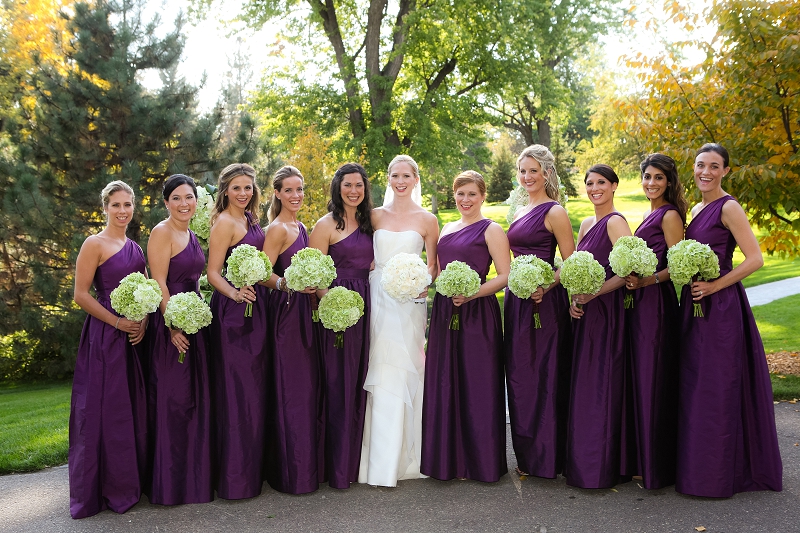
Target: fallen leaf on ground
<point>700,528</point>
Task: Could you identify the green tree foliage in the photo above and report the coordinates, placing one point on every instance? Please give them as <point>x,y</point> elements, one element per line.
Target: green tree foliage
<point>745,95</point>
<point>82,122</point>
<point>503,176</point>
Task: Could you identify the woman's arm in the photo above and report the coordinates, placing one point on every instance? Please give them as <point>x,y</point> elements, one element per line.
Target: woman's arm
<point>159,253</point>
<point>672,226</point>
<point>499,249</point>
<point>220,239</point>
<point>431,237</point>
<point>274,242</point>
<point>320,237</point>
<point>557,222</point>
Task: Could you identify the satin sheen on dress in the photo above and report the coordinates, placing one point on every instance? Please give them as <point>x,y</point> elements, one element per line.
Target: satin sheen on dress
<point>108,410</point>
<point>346,368</point>
<point>537,361</point>
<point>396,375</point>
<point>463,417</point>
<point>727,442</point>
<point>596,408</point>
<point>295,421</point>
<point>179,400</point>
<point>239,354</point>
<point>652,331</point>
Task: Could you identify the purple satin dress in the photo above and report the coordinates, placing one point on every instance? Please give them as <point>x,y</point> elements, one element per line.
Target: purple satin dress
<point>239,354</point>
<point>295,420</point>
<point>727,442</point>
<point>108,411</point>
<point>596,407</point>
<point>345,368</point>
<point>652,330</point>
<point>463,415</point>
<point>537,360</point>
<point>179,400</point>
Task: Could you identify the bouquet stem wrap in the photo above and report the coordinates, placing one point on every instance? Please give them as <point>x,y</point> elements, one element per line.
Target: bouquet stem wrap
<point>455,318</point>
<point>537,322</point>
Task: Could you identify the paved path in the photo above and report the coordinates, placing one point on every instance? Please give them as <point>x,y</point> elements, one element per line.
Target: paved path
<point>764,294</point>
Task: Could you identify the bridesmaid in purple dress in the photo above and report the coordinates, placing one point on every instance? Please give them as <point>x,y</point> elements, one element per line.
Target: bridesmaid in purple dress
<point>107,420</point>
<point>345,233</point>
<point>463,415</point>
<point>652,329</point>
<point>727,442</point>
<point>538,359</point>
<point>178,394</point>
<point>295,420</point>
<point>595,451</point>
<point>238,343</point>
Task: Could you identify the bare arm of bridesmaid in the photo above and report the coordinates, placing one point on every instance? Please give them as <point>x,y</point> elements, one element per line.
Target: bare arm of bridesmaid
<point>274,244</point>
<point>672,226</point>
<point>617,227</point>
<point>320,238</point>
<point>222,237</point>
<point>159,253</point>
<point>499,249</point>
<point>557,222</point>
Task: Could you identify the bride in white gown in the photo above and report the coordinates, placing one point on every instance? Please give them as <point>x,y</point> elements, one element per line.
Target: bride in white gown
<point>391,446</point>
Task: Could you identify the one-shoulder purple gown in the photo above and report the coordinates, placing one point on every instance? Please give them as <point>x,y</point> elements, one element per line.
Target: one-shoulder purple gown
<point>345,368</point>
<point>108,411</point>
<point>239,354</point>
<point>179,400</point>
<point>295,420</point>
<point>594,429</point>
<point>727,442</point>
<point>537,360</point>
<point>651,330</point>
<point>463,415</point>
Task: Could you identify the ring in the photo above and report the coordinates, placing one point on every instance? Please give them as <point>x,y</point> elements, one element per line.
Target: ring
<point>701,293</point>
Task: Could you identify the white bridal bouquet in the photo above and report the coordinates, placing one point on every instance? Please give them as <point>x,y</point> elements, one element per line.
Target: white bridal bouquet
<point>688,259</point>
<point>404,277</point>
<point>247,265</point>
<point>631,254</point>
<point>200,223</point>
<point>339,309</point>
<point>527,274</point>
<point>187,312</point>
<point>582,274</point>
<point>310,268</point>
<point>136,296</point>
<point>458,278</point>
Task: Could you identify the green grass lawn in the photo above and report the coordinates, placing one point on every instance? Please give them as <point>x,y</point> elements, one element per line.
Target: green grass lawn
<point>778,324</point>
<point>785,387</point>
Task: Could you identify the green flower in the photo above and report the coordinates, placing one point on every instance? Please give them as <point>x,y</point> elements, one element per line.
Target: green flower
<point>136,296</point>
<point>631,254</point>
<point>527,274</point>
<point>458,279</point>
<point>582,274</point>
<point>247,265</point>
<point>187,312</point>
<point>339,309</point>
<point>310,268</point>
<point>200,223</point>
<point>690,258</point>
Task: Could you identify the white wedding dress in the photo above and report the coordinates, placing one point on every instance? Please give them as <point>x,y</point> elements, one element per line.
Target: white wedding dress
<point>391,448</point>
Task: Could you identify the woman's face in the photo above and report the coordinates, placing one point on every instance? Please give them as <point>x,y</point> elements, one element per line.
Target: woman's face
<point>181,203</point>
<point>240,191</point>
<point>469,199</point>
<point>654,182</point>
<point>599,189</point>
<point>402,179</point>
<point>709,169</point>
<point>352,189</point>
<point>530,175</point>
<point>119,209</point>
<point>291,194</point>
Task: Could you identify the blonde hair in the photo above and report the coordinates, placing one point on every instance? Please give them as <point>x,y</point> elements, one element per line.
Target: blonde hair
<point>282,173</point>
<point>225,178</point>
<point>467,177</point>
<point>111,188</point>
<point>547,161</point>
<point>402,158</point>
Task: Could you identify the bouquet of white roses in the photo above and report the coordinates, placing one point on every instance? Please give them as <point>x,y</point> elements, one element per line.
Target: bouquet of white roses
<point>187,312</point>
<point>339,309</point>
<point>688,259</point>
<point>458,278</point>
<point>404,277</point>
<point>527,274</point>
<point>200,223</point>
<point>310,268</point>
<point>136,296</point>
<point>247,265</point>
<point>582,274</point>
<point>631,254</point>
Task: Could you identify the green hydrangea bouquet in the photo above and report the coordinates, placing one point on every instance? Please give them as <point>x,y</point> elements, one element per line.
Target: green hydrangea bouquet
<point>458,278</point>
<point>187,312</point>
<point>310,268</point>
<point>136,296</point>
<point>206,289</point>
<point>582,274</point>
<point>527,274</point>
<point>688,259</point>
<point>339,309</point>
<point>200,223</point>
<point>247,265</point>
<point>632,255</point>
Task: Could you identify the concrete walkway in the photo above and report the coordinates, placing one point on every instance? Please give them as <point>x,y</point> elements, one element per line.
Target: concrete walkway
<point>768,292</point>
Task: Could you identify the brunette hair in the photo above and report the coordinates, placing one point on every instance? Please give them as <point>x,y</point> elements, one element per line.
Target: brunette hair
<point>674,193</point>
<point>336,204</point>
<point>547,161</point>
<point>111,188</point>
<point>467,177</point>
<point>282,173</point>
<point>604,170</point>
<point>225,177</point>
<point>175,181</point>
<point>717,149</point>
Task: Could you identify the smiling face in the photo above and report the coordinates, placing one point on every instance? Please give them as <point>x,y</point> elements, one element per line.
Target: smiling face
<point>599,189</point>
<point>240,191</point>
<point>402,179</point>
<point>530,175</point>
<point>290,194</point>
<point>709,169</point>
<point>352,189</point>
<point>182,203</point>
<point>469,199</point>
<point>119,209</point>
<point>654,182</point>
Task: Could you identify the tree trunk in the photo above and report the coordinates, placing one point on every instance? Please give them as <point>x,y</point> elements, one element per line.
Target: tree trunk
<point>543,128</point>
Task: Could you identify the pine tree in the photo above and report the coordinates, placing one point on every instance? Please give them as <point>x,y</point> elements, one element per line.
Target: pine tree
<point>502,177</point>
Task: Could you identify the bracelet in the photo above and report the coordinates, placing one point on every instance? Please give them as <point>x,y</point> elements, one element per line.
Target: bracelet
<point>657,282</point>
<point>116,326</point>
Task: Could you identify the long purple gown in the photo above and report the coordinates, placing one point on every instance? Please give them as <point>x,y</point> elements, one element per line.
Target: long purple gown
<point>537,360</point>
<point>651,330</point>
<point>108,411</point>
<point>345,368</point>
<point>727,442</point>
<point>463,415</point>
<point>240,354</point>
<point>596,409</point>
<point>295,420</point>
<point>179,400</point>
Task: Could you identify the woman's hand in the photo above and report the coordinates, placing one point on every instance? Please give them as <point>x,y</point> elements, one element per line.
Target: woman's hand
<point>575,311</point>
<point>244,295</point>
<point>308,290</point>
<point>460,300</point>
<point>179,340</point>
<point>538,294</point>
<point>633,282</point>
<point>423,294</point>
<point>583,299</point>
<point>701,289</point>
<point>135,330</point>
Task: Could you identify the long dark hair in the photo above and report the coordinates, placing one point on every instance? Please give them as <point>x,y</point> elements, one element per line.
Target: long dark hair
<point>674,193</point>
<point>175,181</point>
<point>336,204</point>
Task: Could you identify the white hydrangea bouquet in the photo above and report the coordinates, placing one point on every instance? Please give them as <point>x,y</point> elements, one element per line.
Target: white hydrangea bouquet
<point>136,296</point>
<point>247,265</point>
<point>456,279</point>
<point>632,255</point>
<point>527,274</point>
<point>339,309</point>
<point>206,289</point>
<point>200,223</point>
<point>404,277</point>
<point>517,199</point>
<point>582,274</point>
<point>187,312</point>
<point>688,259</point>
